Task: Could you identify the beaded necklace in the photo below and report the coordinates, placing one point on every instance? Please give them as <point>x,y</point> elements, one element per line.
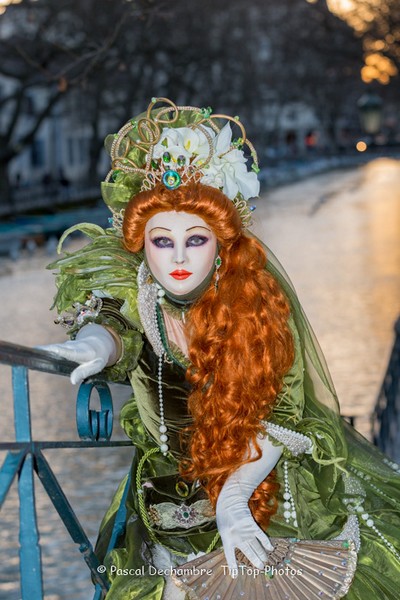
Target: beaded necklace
<point>150,295</point>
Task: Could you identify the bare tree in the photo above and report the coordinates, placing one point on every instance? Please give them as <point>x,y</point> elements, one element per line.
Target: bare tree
<point>245,58</point>
<point>51,48</point>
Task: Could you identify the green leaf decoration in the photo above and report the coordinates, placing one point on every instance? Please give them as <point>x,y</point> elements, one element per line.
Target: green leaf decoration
<point>103,266</point>
<point>89,229</point>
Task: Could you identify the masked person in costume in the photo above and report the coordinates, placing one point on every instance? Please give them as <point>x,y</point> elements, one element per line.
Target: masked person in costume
<point>244,479</point>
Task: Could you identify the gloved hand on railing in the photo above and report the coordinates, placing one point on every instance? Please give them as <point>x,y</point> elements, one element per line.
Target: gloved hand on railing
<point>94,348</point>
<point>235,522</point>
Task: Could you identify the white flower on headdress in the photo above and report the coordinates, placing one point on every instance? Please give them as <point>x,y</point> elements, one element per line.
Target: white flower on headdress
<point>183,141</point>
<point>227,169</point>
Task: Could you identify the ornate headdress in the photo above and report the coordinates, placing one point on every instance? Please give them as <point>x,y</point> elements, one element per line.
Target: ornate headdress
<point>175,145</point>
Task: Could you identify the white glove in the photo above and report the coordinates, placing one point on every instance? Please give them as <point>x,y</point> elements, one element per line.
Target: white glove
<point>235,522</point>
<point>94,348</point>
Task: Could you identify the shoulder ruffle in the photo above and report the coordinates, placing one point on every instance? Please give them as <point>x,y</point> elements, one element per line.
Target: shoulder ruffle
<point>103,267</point>
<point>105,270</point>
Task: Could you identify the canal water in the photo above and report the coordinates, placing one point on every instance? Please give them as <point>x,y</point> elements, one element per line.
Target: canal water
<point>338,236</point>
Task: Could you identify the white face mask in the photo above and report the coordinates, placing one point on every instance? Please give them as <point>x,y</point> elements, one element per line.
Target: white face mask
<point>180,250</point>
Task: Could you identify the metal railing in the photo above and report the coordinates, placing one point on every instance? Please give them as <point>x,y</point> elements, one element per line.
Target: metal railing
<point>386,417</point>
<point>25,458</point>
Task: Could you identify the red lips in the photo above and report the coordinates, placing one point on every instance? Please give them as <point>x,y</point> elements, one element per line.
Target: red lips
<point>180,274</point>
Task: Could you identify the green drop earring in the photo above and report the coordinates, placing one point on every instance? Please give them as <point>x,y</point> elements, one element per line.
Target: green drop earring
<point>217,263</point>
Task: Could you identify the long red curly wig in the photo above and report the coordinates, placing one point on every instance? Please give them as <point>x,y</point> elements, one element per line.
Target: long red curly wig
<point>240,345</point>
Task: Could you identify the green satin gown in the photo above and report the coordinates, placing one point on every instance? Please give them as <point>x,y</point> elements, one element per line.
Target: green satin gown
<point>307,404</point>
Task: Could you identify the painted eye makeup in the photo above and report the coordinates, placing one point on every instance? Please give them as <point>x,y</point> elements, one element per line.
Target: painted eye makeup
<point>196,240</point>
<point>162,242</point>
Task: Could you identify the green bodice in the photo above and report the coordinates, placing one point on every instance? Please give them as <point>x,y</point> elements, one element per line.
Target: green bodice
<point>288,410</point>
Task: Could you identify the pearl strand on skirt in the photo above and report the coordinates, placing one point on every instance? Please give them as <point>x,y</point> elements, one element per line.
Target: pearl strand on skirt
<point>288,505</point>
<point>162,428</point>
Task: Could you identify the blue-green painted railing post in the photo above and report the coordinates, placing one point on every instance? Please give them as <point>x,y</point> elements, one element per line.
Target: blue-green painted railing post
<point>30,554</point>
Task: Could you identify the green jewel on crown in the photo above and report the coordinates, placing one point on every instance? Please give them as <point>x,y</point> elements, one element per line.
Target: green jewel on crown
<point>171,179</point>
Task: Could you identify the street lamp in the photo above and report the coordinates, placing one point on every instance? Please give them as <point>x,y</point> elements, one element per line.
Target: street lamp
<point>370,111</point>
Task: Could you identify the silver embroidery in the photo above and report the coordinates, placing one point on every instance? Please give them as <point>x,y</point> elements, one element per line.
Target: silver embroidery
<point>356,508</point>
<point>296,442</point>
<point>168,515</point>
<point>351,531</point>
<point>81,312</point>
<point>147,301</point>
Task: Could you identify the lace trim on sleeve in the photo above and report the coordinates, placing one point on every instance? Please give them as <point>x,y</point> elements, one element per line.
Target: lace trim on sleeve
<point>297,443</point>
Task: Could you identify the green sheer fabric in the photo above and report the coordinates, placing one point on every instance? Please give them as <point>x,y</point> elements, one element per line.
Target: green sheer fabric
<point>306,404</point>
